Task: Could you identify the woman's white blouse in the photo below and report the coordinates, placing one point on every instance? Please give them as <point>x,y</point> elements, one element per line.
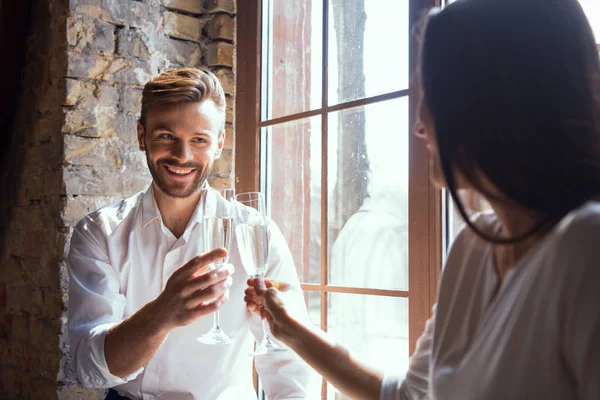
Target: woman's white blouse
<point>536,337</point>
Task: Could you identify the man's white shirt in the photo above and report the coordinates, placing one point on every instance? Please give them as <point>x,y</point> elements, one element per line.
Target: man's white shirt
<point>121,257</point>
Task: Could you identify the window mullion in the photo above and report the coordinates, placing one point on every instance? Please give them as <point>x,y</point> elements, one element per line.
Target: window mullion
<point>324,180</point>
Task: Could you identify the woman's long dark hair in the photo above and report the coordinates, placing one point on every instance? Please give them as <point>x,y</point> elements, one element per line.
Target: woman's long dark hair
<point>513,87</point>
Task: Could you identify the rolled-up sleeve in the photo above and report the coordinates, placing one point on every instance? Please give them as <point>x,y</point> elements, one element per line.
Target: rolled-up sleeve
<point>415,385</point>
<point>285,375</point>
<point>95,305</point>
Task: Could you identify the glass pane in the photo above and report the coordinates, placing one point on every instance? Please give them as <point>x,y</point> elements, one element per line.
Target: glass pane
<point>592,10</point>
<point>376,327</point>
<point>292,57</point>
<point>368,195</point>
<point>367,39</point>
<point>313,304</point>
<point>291,171</point>
<point>453,220</point>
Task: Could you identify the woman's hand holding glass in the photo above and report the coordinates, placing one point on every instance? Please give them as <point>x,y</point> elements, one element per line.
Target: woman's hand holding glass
<point>266,298</point>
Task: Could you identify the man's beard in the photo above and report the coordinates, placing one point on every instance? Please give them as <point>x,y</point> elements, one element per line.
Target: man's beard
<point>172,190</point>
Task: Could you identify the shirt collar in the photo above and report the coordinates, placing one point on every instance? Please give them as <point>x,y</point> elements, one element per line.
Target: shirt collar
<point>197,215</point>
<point>195,219</point>
<point>150,211</point>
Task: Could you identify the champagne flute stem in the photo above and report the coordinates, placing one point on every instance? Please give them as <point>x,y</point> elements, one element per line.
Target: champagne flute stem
<point>265,327</point>
<point>216,320</point>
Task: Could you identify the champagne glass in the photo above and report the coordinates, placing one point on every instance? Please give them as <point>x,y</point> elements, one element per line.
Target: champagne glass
<point>217,224</point>
<point>253,244</point>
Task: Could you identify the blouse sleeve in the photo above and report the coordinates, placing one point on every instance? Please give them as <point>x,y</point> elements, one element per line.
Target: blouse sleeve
<point>415,384</point>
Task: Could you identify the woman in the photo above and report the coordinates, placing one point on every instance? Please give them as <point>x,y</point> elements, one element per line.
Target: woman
<point>511,110</point>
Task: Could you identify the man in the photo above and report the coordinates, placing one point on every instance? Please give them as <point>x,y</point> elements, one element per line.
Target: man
<point>140,291</point>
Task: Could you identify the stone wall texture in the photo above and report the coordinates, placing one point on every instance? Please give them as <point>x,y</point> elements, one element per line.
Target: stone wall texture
<point>75,150</point>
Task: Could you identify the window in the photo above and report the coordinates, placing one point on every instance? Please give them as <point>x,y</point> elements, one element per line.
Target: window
<point>592,11</point>
<point>331,146</point>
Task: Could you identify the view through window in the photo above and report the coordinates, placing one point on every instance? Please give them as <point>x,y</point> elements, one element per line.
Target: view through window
<point>334,161</point>
<point>592,11</point>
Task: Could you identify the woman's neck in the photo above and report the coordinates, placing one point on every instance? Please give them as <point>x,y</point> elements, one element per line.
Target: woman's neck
<point>514,221</point>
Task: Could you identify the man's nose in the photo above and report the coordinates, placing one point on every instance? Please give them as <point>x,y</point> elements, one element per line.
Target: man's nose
<point>182,152</point>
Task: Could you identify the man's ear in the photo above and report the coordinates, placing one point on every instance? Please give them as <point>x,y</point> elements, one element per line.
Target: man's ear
<point>140,135</point>
<point>220,144</point>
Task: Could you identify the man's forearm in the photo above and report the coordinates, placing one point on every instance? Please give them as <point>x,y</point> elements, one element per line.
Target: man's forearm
<point>130,344</point>
<point>335,363</point>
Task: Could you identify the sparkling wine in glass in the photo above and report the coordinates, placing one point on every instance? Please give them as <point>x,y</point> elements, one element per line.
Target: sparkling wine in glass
<point>217,232</point>
<point>253,244</point>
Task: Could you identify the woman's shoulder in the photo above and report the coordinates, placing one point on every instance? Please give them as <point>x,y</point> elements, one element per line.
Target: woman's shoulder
<point>582,220</point>
<point>571,261</point>
<point>578,233</point>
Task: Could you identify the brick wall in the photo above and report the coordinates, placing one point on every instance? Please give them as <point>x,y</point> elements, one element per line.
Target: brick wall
<point>75,150</point>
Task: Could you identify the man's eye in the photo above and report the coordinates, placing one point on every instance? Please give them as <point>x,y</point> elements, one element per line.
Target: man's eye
<point>200,140</point>
<point>165,136</point>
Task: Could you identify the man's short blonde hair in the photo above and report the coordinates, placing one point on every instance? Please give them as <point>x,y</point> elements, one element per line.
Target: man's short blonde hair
<point>183,85</point>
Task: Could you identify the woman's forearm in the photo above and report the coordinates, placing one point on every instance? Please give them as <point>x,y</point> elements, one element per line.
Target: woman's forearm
<point>334,362</point>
